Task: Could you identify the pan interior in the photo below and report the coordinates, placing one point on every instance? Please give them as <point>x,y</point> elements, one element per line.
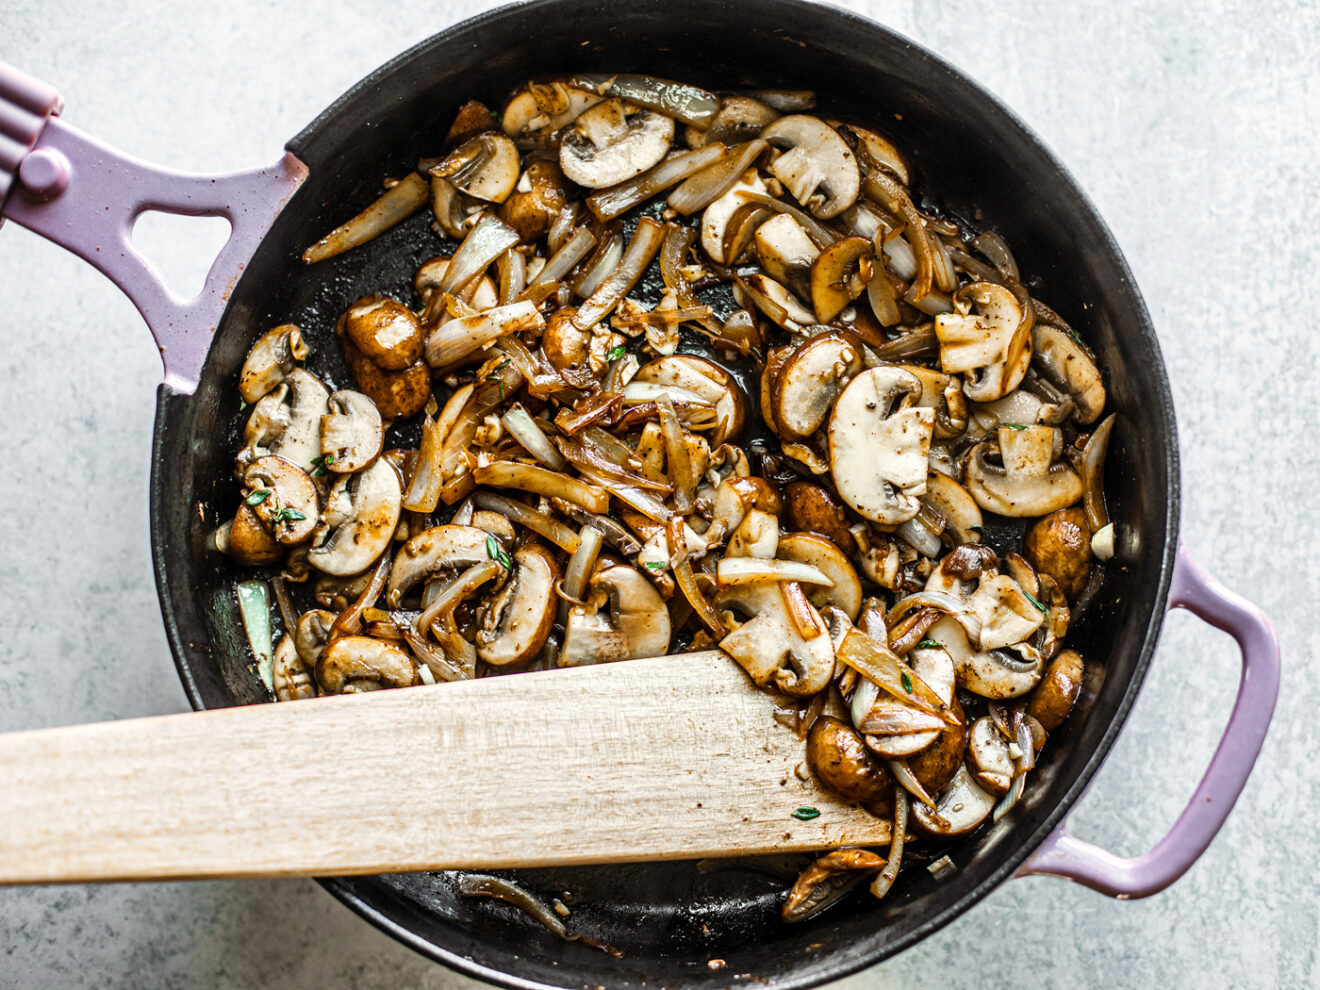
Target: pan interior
<point>972,159</point>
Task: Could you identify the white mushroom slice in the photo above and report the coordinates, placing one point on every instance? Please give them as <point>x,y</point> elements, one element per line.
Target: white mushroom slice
<point>290,677</point>
<point>494,524</point>
<point>756,536</point>
<point>1019,408</point>
<point>818,167</point>
<point>485,167</point>
<point>1007,615</point>
<point>1028,451</point>
<point>879,445</point>
<point>955,505</point>
<point>283,497</point>
<point>739,118</point>
<point>845,591</point>
<point>515,624</point>
<point>361,514</point>
<point>879,149</point>
<point>769,645</point>
<point>794,315</point>
<point>352,664</point>
<point>786,252</point>
<point>436,549</point>
<point>271,358</point>
<point>545,107</point>
<point>995,674</point>
<point>312,634</point>
<point>287,422</point>
<point>839,275</point>
<point>635,623</point>
<point>809,382</point>
<point>990,347</point>
<point>716,216</point>
<point>1068,365</point>
<point>614,141</point>
<point>988,757</point>
<point>959,809</point>
<point>996,490</point>
<point>708,380</point>
<point>351,432</point>
<point>944,394</point>
<point>935,667</point>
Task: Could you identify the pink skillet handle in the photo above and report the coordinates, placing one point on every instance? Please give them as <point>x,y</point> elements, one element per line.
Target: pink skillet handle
<point>1062,855</point>
<point>85,196</point>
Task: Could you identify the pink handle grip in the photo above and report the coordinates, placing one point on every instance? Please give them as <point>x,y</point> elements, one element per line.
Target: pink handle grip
<point>85,196</point>
<point>1062,855</point>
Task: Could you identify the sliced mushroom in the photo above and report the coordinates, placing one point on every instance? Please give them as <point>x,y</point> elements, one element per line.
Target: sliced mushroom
<point>817,167</point>
<point>1054,698</point>
<point>990,347</point>
<point>623,618</point>
<point>769,645</point>
<point>1007,615</point>
<point>877,149</point>
<point>312,634</point>
<point>545,107</point>
<point>361,514</point>
<point>283,497</point>
<point>537,198</point>
<point>776,301</point>
<point>385,331</point>
<point>455,213</point>
<point>838,758</point>
<point>1068,365</point>
<point>287,422</point>
<point>1057,618</point>
<point>351,432</point>
<point>707,380</point>
<point>996,674</point>
<point>955,505</point>
<point>813,509</point>
<point>1028,451</point>
<point>879,444</point>
<point>353,664</point>
<point>1060,545</point>
<point>839,275</point>
<point>944,394</point>
<point>1017,495</point>
<point>1018,408</point>
<point>613,141</point>
<point>756,536</point>
<point>739,119</point>
<point>440,548</point>
<point>247,541</point>
<point>517,621</point>
<point>960,808</point>
<point>935,667</point>
<point>809,382</point>
<point>484,167</point>
<point>818,552</point>
<point>715,218</point>
<point>291,679</point>
<point>988,757</point>
<point>787,253</point>
<point>271,358</point>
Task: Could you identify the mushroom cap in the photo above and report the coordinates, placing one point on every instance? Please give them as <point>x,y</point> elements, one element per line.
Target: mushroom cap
<point>813,509</point>
<point>545,106</point>
<point>518,620</point>
<point>537,198</point>
<point>990,347</point>
<point>838,758</point>
<point>995,674</point>
<point>839,275</point>
<point>879,445</point>
<point>820,553</point>
<point>818,167</point>
<point>1018,495</point>
<point>385,330</point>
<point>1060,545</point>
<point>271,357</point>
<point>809,382</point>
<point>879,149</point>
<point>708,380</point>
<point>769,646</point>
<point>247,541</point>
<point>786,252</point>
<point>1069,365</point>
<point>988,757</point>
<point>635,624</point>
<point>954,503</point>
<point>436,549</point>
<point>485,166</point>
<point>613,141</point>
<point>290,678</point>
<point>1057,693</point>
<point>290,510</point>
<point>287,421</point>
<point>715,218</point>
<point>351,432</point>
<point>960,808</point>
<point>396,393</point>
<point>361,515</point>
<point>361,663</point>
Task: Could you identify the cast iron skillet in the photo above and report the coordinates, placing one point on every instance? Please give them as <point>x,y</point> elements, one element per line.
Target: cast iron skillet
<point>980,162</point>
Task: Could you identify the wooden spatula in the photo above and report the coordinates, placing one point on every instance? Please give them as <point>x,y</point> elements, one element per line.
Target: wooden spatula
<point>668,758</point>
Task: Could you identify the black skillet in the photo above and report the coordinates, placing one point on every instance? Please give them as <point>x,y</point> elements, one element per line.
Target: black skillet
<point>982,165</point>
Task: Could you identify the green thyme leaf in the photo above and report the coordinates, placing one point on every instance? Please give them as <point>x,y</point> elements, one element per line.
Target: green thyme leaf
<point>805,814</point>
<point>615,353</point>
<point>906,681</point>
<point>257,497</point>
<point>293,514</point>
<point>1032,598</point>
<point>656,565</point>
<point>1013,426</point>
<point>927,644</point>
<point>496,554</point>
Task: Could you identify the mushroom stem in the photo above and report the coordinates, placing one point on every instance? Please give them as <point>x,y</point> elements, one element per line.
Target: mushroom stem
<point>349,621</point>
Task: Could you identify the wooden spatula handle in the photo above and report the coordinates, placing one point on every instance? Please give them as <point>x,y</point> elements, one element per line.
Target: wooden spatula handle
<point>668,758</point>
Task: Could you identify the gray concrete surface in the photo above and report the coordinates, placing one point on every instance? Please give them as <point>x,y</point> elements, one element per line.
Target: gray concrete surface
<point>1192,126</point>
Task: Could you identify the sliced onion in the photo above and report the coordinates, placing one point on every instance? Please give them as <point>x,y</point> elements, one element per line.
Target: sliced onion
<point>894,198</point>
<point>678,462</point>
<point>817,231</point>
<point>480,885</point>
<point>603,268</point>
<point>877,662</point>
<point>880,294</point>
<point>579,569</point>
<point>863,698</point>
<point>512,268</point>
<point>945,277</point>
<point>485,242</point>
<point>588,411</point>
<point>432,659</point>
<point>586,456</point>
<point>975,267</point>
<point>687,580</point>
<point>518,421</point>
<point>885,880</point>
<point>408,196</point>
<point>933,303</point>
<point>637,392</point>
<point>451,342</point>
<point>619,199</point>
<point>731,571</point>
<point>614,532</point>
<point>674,99</point>
<point>254,609</point>
<point>898,720</point>
<point>996,249</point>
<point>776,313</point>
<point>632,496</point>
<point>900,257</point>
<point>453,593</point>
<point>524,515</point>
<point>539,481</point>
<point>642,248</point>
<point>908,633</point>
<point>349,621</point>
<point>715,180</point>
<point>562,225</point>
<point>908,781</point>
<point>1093,475</point>
<point>560,264</point>
<point>926,543</point>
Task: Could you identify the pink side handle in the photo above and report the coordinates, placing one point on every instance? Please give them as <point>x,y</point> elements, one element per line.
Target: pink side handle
<point>85,196</point>
<point>1063,855</point>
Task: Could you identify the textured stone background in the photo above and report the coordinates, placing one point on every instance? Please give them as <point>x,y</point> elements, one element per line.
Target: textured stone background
<point>1192,128</point>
